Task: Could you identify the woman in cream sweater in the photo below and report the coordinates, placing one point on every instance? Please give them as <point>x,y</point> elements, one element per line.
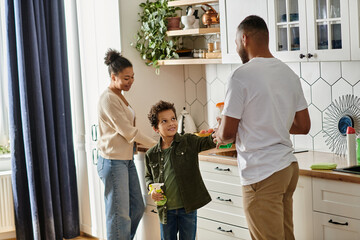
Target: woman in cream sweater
<point>123,199</point>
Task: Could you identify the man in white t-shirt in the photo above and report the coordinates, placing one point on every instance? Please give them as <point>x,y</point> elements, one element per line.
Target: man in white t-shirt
<point>264,104</point>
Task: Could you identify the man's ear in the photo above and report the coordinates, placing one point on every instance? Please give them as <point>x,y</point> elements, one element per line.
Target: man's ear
<point>244,39</point>
<point>156,130</point>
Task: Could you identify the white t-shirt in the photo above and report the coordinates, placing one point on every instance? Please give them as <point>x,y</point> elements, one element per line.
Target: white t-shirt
<point>264,94</point>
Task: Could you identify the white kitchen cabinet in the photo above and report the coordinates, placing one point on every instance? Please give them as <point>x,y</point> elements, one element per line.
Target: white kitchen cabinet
<point>333,227</point>
<point>336,197</point>
<point>309,30</point>
<point>302,209</point>
<point>232,12</point>
<point>354,6</point>
<point>94,41</point>
<point>209,229</point>
<point>149,227</point>
<point>336,209</point>
<point>223,217</point>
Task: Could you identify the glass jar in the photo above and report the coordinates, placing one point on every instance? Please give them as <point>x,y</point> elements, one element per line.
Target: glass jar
<point>196,53</point>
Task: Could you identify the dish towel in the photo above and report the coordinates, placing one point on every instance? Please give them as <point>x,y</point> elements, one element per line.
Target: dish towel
<point>323,166</point>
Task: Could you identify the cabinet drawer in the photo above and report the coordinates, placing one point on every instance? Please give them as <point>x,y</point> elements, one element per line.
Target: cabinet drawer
<point>224,213</point>
<point>331,227</point>
<point>334,197</point>
<point>223,169</point>
<point>214,182</point>
<point>226,200</point>
<point>208,229</point>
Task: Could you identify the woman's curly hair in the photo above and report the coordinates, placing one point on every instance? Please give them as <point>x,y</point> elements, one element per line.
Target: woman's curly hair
<point>156,109</point>
<point>115,62</point>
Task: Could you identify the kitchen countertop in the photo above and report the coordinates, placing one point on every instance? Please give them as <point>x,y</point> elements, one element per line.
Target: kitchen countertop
<point>305,160</point>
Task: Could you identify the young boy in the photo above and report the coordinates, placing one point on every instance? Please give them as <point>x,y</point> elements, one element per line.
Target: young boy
<point>174,162</point>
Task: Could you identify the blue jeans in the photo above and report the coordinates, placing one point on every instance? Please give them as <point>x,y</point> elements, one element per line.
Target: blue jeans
<point>124,205</point>
<point>179,221</point>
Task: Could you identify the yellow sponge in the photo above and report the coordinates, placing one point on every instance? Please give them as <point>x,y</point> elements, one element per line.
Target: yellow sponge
<point>323,166</point>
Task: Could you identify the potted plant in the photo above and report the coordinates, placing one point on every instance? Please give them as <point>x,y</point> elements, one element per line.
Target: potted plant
<point>151,40</point>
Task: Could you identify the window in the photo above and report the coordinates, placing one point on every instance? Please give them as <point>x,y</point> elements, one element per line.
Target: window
<point>4,104</point>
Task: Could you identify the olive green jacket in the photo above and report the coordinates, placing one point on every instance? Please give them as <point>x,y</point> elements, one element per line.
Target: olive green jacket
<point>184,159</point>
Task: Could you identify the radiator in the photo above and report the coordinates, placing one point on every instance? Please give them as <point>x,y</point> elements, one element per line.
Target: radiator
<point>7,222</point>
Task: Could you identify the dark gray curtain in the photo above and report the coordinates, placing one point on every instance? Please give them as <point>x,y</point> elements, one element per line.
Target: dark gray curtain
<point>43,167</point>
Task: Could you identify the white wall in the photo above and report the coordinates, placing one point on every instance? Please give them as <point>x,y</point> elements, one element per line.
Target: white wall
<point>323,82</point>
<point>148,87</point>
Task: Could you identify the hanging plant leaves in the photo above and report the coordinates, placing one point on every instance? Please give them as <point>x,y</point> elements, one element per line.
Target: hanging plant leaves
<point>151,39</point>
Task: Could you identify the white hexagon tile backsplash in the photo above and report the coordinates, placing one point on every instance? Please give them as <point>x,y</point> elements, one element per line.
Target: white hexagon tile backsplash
<point>322,82</point>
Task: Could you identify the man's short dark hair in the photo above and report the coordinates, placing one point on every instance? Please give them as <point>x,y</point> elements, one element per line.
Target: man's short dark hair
<point>253,24</point>
<point>156,109</point>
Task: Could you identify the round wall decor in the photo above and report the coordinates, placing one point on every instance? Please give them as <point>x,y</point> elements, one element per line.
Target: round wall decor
<point>341,114</point>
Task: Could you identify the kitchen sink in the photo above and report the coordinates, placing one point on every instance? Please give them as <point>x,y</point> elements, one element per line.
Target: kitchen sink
<point>353,169</point>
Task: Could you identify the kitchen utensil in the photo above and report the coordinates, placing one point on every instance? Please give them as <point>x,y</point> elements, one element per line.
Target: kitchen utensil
<point>210,16</point>
<point>186,123</point>
<point>173,23</point>
<point>188,21</point>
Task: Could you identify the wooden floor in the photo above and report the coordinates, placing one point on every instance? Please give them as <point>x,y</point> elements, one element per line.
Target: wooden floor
<point>81,237</point>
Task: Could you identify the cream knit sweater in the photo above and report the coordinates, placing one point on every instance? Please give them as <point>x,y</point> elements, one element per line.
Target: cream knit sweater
<point>117,128</point>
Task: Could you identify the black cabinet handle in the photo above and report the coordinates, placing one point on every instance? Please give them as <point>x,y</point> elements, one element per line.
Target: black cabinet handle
<point>337,223</point>
<point>301,56</point>
<point>223,230</point>
<point>224,200</point>
<point>222,169</point>
<point>153,211</point>
<point>309,55</point>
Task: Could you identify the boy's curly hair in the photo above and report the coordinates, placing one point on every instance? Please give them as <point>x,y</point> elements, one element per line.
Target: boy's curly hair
<point>156,109</point>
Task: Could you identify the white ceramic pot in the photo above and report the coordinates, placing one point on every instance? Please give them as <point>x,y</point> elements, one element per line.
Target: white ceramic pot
<point>188,21</point>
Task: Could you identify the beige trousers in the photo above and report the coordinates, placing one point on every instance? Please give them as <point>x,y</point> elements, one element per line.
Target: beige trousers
<point>268,205</point>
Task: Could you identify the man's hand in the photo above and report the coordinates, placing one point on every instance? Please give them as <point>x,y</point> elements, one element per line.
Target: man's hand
<point>226,133</point>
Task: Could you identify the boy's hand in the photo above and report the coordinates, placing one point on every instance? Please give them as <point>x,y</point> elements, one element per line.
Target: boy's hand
<point>156,196</point>
<point>216,139</point>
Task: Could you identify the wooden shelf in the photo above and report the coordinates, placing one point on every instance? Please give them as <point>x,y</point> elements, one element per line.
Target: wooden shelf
<point>179,3</point>
<point>185,61</point>
<point>195,31</point>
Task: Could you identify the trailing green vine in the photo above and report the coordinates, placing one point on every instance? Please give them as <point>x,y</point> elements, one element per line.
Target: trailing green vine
<point>4,149</point>
<point>151,40</point>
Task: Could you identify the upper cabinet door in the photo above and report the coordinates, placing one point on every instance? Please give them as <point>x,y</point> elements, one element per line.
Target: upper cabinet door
<point>232,12</point>
<point>309,30</point>
<point>354,6</point>
<point>328,30</point>
<point>287,29</point>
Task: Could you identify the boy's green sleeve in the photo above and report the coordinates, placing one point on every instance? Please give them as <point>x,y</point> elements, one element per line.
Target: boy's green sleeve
<point>203,143</point>
<point>148,176</point>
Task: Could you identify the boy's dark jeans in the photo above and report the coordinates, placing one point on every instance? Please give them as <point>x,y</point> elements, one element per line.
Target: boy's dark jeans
<point>179,221</point>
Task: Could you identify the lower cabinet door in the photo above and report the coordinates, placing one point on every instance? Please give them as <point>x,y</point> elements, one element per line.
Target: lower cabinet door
<point>211,230</point>
<point>332,227</point>
<point>149,226</point>
<point>303,210</point>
